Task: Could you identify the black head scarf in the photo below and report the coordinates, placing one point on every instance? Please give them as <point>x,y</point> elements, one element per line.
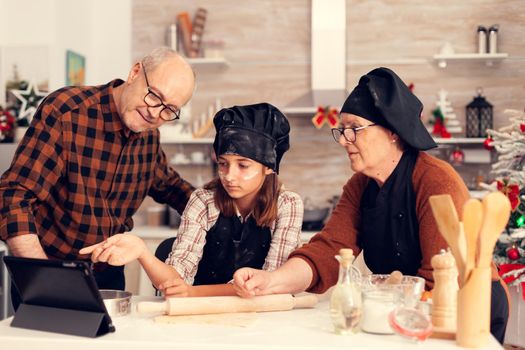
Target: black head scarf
<point>259,132</point>
<point>383,98</point>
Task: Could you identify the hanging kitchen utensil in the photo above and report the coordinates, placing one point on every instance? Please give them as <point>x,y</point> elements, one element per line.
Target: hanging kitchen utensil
<point>448,224</point>
<point>496,212</point>
<point>472,220</point>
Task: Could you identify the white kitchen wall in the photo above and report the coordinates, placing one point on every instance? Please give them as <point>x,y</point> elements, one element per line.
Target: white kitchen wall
<point>98,29</point>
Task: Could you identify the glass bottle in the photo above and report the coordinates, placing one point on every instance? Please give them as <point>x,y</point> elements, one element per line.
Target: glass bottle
<point>345,302</point>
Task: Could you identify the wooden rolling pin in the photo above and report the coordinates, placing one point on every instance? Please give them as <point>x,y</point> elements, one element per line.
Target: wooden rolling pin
<point>228,304</point>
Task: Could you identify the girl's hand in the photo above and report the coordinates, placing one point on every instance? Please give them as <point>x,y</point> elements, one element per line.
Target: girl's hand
<point>117,250</point>
<point>175,287</point>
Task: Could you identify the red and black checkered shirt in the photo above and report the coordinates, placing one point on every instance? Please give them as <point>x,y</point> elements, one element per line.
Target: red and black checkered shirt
<point>79,174</point>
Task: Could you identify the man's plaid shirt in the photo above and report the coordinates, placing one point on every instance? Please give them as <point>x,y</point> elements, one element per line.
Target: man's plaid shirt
<point>79,174</point>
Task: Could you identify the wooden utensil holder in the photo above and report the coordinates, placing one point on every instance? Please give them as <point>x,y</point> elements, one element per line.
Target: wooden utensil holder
<point>473,322</point>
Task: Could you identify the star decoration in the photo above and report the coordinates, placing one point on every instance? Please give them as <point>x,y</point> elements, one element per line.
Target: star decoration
<point>30,98</point>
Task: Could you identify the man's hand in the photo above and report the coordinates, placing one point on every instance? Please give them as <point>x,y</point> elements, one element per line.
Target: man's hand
<point>248,282</point>
<point>117,250</point>
<point>175,287</point>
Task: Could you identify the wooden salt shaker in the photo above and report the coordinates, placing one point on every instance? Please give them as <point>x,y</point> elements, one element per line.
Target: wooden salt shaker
<point>444,294</point>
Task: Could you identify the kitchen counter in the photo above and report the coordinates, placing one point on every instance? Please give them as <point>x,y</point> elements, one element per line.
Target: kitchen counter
<point>296,329</point>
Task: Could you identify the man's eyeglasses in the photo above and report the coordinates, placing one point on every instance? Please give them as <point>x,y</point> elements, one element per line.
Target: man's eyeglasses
<point>153,100</point>
<point>350,134</point>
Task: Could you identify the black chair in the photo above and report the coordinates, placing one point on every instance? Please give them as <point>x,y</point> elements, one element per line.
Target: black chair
<point>162,252</point>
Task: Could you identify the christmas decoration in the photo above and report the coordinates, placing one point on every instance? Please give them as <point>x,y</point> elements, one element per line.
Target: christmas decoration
<point>513,253</point>
<point>30,99</point>
<point>509,143</point>
<point>7,126</point>
<point>439,129</point>
<point>457,157</point>
<point>479,116</point>
<point>512,191</point>
<point>451,121</point>
<point>511,273</point>
<point>445,120</point>
<point>325,115</point>
<point>488,144</point>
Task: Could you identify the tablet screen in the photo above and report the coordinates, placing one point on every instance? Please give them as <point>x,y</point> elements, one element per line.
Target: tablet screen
<point>62,284</point>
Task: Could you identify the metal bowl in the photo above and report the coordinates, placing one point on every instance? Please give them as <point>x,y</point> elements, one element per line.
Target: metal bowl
<point>118,302</point>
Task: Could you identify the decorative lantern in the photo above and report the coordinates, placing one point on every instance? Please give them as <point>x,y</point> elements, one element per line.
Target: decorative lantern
<point>479,116</point>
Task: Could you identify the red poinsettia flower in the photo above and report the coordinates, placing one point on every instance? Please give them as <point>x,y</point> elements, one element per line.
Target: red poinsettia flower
<point>512,191</point>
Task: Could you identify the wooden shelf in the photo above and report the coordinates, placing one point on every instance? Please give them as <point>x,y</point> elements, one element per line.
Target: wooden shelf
<point>459,140</point>
<point>299,111</point>
<point>488,58</point>
<point>202,141</point>
<point>219,62</point>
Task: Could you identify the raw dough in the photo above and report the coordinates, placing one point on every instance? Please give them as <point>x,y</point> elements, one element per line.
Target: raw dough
<point>236,319</point>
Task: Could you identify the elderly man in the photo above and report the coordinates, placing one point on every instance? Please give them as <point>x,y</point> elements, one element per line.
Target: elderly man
<point>88,160</point>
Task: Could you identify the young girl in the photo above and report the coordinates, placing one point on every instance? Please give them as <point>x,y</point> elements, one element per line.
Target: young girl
<point>243,218</point>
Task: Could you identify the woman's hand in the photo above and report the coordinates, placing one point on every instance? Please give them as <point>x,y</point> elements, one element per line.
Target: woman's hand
<point>117,250</point>
<point>175,287</point>
<point>248,282</point>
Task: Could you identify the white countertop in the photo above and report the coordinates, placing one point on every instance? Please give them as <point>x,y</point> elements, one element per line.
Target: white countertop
<point>296,329</point>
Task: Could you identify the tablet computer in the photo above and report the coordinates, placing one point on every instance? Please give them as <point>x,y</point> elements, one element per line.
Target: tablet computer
<point>58,296</point>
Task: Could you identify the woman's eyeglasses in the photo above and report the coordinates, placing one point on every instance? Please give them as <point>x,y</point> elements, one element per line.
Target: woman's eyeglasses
<point>350,134</point>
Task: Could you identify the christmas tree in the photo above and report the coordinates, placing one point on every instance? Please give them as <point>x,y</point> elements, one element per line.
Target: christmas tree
<point>509,172</point>
<point>445,121</point>
<point>445,106</point>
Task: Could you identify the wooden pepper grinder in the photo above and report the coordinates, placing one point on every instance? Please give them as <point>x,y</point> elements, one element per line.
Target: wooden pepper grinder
<point>444,294</point>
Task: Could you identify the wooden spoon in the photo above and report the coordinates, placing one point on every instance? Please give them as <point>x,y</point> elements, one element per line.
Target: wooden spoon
<point>496,213</point>
<point>448,225</point>
<point>462,251</point>
<point>472,220</point>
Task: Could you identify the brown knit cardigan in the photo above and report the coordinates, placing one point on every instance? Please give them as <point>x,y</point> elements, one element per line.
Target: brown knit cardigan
<point>431,176</point>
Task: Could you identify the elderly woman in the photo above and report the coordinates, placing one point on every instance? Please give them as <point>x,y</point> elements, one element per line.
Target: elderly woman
<point>384,208</point>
